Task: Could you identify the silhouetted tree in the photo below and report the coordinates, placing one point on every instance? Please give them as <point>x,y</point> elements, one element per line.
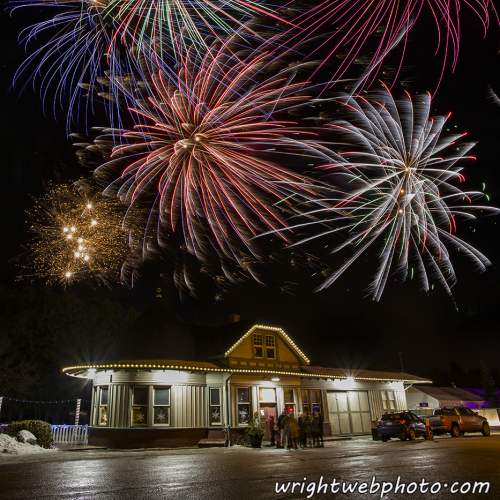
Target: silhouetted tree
<point>488,385</point>
<point>43,331</point>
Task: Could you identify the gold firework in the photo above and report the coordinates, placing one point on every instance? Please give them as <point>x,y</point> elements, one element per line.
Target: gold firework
<point>78,236</point>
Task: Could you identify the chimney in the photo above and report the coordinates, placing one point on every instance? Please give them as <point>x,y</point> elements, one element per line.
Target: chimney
<point>234,318</point>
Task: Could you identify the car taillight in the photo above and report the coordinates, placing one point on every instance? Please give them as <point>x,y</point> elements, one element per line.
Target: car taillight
<point>380,422</point>
<point>441,418</point>
<point>401,422</point>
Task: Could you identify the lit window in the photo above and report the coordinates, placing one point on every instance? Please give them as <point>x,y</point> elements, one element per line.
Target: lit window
<point>243,405</point>
<point>270,348</point>
<point>161,406</point>
<point>388,400</point>
<point>289,400</point>
<point>267,394</point>
<point>103,406</point>
<point>311,401</point>
<point>215,407</point>
<point>258,345</point>
<point>140,406</point>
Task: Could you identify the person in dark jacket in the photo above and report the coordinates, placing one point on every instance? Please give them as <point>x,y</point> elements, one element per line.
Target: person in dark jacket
<point>281,427</point>
<point>317,429</point>
<point>272,429</point>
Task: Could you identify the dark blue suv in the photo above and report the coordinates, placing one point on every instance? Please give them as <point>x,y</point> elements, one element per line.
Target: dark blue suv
<point>401,424</point>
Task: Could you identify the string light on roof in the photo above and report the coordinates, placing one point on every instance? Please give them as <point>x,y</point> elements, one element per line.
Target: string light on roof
<point>280,330</point>
<point>223,370</point>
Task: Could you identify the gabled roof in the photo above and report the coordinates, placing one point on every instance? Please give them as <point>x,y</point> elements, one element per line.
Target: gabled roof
<point>212,343</point>
<point>448,393</point>
<point>280,331</point>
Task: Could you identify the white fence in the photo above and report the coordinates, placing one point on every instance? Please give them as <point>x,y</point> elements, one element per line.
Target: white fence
<point>70,433</point>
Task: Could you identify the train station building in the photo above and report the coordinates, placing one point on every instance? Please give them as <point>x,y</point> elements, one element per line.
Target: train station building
<point>169,384</point>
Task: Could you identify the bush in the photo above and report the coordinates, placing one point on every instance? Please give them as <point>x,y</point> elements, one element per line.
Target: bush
<point>256,427</point>
<point>40,429</point>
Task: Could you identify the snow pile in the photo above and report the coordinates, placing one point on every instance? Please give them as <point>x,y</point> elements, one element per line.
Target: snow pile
<point>10,445</point>
<point>26,437</point>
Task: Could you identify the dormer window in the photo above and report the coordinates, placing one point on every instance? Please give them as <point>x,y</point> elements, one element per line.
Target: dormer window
<point>270,347</point>
<point>258,340</point>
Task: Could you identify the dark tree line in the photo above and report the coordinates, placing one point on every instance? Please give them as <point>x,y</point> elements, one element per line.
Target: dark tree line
<point>42,331</point>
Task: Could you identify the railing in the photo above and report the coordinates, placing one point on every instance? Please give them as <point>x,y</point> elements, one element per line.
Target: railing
<point>70,433</point>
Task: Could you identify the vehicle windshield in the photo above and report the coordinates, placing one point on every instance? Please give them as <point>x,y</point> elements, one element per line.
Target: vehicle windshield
<point>445,411</point>
<point>393,416</point>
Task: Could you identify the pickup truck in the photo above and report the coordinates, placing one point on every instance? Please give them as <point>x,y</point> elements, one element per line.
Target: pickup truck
<point>456,420</point>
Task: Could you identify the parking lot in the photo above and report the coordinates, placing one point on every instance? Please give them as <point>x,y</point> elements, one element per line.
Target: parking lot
<point>246,473</point>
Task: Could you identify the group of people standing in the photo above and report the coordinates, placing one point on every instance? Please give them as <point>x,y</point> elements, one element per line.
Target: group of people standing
<point>289,432</point>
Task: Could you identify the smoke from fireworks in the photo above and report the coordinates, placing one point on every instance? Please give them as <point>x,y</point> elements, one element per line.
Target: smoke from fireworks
<point>77,237</point>
<point>398,174</point>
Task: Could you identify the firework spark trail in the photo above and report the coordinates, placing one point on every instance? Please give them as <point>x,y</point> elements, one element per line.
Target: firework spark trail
<point>355,21</point>
<point>400,172</point>
<point>78,237</point>
<point>201,153</point>
<point>91,36</point>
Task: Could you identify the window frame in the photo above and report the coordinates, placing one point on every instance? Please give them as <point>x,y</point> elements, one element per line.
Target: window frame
<point>146,424</point>
<point>213,406</point>
<point>241,403</point>
<point>386,402</point>
<point>264,388</point>
<point>273,347</point>
<point>101,406</point>
<point>309,405</point>
<point>153,406</point>
<point>289,405</point>
<point>257,345</point>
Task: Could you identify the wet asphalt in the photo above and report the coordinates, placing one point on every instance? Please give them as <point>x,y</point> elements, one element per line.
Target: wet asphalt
<point>243,473</point>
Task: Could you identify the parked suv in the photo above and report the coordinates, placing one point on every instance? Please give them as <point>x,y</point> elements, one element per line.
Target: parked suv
<point>401,424</point>
<point>456,420</point>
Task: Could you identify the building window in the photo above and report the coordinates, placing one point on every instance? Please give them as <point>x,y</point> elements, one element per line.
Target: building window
<point>289,398</point>
<point>311,401</point>
<point>243,405</point>
<point>161,406</point>
<point>388,400</point>
<point>140,406</point>
<point>215,413</point>
<point>103,406</point>
<point>270,347</point>
<point>267,395</point>
<point>258,345</point>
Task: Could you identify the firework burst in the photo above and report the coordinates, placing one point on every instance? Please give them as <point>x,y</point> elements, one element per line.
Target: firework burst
<point>93,36</point>
<point>398,175</point>
<point>211,154</point>
<point>78,237</point>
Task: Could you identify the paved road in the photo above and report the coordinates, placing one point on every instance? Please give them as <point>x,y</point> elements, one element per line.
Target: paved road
<point>244,473</point>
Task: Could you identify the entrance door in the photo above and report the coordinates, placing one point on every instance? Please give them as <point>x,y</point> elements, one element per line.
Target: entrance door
<point>266,410</point>
<point>349,412</point>
<point>338,412</point>
<point>360,412</point>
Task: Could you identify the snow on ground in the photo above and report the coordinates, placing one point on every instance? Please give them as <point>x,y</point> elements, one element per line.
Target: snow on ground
<point>10,445</point>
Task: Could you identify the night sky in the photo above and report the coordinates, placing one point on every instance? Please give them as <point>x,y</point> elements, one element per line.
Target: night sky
<point>340,326</point>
